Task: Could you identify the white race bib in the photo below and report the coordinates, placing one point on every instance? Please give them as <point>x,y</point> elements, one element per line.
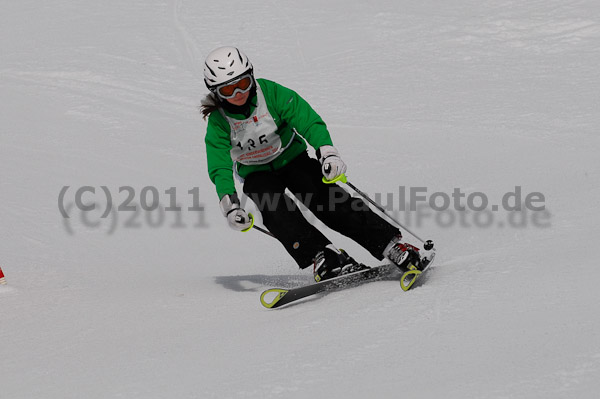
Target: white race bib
<point>254,141</point>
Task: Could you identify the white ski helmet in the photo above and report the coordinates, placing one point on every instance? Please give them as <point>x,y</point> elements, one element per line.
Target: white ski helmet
<point>224,64</point>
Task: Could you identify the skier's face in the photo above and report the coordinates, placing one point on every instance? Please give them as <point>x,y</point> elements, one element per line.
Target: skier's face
<point>239,99</point>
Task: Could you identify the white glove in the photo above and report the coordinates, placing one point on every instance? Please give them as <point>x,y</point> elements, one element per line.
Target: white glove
<point>236,216</point>
<point>331,164</point>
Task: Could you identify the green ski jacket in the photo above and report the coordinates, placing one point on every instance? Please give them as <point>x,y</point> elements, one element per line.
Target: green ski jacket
<point>296,123</point>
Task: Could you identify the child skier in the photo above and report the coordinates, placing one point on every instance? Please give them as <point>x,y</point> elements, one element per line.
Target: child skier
<point>258,130</point>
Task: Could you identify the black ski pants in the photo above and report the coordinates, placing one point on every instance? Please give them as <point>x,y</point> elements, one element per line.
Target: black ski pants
<point>330,203</point>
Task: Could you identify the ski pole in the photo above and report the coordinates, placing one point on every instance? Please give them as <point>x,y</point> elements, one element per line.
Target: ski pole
<point>344,180</point>
<point>261,229</point>
<point>265,231</point>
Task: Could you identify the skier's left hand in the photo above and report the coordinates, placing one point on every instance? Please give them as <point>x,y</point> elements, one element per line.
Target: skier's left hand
<point>331,164</point>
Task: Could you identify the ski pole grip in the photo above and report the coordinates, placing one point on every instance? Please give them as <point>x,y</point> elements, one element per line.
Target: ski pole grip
<point>251,223</point>
<point>341,178</point>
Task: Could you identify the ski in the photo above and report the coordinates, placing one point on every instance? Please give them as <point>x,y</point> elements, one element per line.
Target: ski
<point>285,296</point>
<point>410,273</point>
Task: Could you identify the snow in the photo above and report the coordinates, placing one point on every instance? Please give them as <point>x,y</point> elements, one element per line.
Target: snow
<point>482,96</point>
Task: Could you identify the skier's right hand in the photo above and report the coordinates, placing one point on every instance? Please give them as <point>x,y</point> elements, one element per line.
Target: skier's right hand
<point>237,217</point>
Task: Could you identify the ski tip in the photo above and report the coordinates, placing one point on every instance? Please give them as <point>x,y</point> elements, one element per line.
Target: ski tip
<point>408,279</point>
<point>279,293</point>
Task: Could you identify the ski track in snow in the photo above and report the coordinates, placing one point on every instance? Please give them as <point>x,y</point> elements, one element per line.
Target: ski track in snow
<point>483,96</point>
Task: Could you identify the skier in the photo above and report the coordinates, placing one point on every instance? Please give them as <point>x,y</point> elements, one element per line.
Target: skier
<point>258,129</point>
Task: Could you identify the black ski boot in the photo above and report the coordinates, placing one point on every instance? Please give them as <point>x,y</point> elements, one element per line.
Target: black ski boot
<point>332,262</point>
<point>403,254</point>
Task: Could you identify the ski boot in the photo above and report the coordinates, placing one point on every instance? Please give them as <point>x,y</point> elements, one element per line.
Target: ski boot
<point>332,262</point>
<point>404,255</point>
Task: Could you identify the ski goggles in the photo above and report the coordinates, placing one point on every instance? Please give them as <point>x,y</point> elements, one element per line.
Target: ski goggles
<point>238,85</point>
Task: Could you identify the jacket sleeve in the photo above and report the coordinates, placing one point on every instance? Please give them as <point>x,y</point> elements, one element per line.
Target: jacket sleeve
<point>218,157</point>
<point>298,114</point>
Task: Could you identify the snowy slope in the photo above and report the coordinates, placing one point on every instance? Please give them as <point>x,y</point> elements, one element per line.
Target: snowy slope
<point>482,96</point>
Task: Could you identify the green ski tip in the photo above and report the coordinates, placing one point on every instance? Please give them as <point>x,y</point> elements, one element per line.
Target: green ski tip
<point>279,294</point>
